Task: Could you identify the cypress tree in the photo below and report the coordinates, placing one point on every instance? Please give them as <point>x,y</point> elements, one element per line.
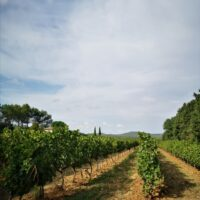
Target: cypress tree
<point>95,132</point>
<point>100,131</point>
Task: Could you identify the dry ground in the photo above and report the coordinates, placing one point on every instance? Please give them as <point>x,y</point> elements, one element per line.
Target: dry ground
<point>119,183</point>
<point>182,180</point>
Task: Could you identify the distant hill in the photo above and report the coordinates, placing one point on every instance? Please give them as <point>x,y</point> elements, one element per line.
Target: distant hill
<point>133,134</point>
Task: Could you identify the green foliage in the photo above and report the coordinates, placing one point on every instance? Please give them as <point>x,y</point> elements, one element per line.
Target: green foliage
<point>59,126</point>
<point>186,150</point>
<point>35,126</point>
<point>32,157</point>
<point>17,151</point>
<point>95,131</point>
<point>41,117</point>
<point>100,131</point>
<point>168,127</point>
<point>149,166</point>
<point>17,115</point>
<point>186,123</point>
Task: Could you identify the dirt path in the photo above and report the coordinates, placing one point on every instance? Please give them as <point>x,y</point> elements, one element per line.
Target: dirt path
<point>119,183</point>
<point>182,180</point>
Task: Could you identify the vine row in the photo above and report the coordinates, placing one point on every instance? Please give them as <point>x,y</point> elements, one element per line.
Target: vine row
<point>32,158</point>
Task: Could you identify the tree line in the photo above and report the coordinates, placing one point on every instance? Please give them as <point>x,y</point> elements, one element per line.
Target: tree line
<point>185,125</point>
<point>23,115</point>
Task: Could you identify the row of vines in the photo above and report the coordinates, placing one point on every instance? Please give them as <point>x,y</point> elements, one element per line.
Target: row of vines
<point>185,150</point>
<point>31,158</point>
<point>148,160</point>
<point>149,166</point>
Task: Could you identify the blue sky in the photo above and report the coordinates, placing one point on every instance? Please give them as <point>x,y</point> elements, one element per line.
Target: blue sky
<point>122,65</point>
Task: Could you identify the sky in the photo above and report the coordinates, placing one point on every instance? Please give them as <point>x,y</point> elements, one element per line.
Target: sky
<point>122,65</point>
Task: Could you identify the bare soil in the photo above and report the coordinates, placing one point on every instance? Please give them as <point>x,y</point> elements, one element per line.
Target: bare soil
<point>119,183</point>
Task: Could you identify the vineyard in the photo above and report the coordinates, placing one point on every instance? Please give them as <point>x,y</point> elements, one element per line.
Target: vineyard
<point>187,151</point>
<point>67,165</point>
<point>99,100</point>
<point>32,158</point>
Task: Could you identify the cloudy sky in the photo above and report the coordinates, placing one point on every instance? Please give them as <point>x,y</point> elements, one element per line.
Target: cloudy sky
<point>122,65</point>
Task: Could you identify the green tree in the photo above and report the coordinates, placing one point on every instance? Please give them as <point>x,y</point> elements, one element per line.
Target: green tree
<point>8,114</point>
<point>59,126</point>
<point>195,119</point>
<point>25,114</point>
<point>186,124</point>
<point>168,128</point>
<point>41,117</point>
<point>99,131</point>
<point>95,131</point>
<point>17,115</point>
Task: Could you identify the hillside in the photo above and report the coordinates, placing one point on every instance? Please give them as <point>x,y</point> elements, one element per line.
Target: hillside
<point>132,134</point>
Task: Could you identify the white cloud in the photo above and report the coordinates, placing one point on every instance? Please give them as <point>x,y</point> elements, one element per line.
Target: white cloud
<point>132,62</point>
<point>3,2</point>
<point>119,125</point>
